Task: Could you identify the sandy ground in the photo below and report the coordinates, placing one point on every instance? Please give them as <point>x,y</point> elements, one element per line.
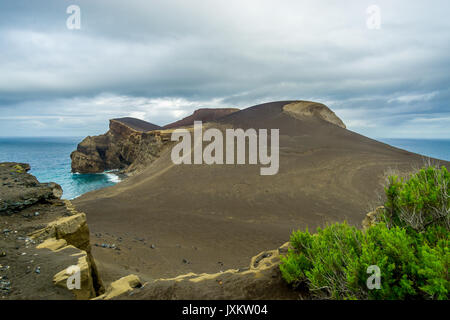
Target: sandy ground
<point>170,220</point>
<point>27,272</point>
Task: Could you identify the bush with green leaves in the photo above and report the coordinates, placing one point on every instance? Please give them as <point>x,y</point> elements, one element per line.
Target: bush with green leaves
<point>413,257</point>
<point>420,201</point>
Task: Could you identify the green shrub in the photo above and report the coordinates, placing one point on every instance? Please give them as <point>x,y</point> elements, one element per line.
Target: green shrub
<point>420,201</point>
<point>410,247</point>
<point>322,258</point>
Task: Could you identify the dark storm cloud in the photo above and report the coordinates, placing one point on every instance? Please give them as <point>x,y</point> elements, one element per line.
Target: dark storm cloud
<point>159,60</point>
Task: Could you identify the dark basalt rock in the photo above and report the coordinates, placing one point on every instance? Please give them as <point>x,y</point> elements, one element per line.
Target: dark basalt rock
<point>20,189</point>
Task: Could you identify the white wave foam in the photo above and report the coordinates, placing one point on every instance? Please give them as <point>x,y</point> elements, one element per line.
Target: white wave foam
<point>114,178</point>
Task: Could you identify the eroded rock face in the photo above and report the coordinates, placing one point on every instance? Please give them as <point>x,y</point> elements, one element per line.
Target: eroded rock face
<point>302,109</point>
<point>72,257</point>
<point>261,280</point>
<point>19,190</point>
<point>125,143</point>
<point>131,144</point>
<point>68,238</point>
<point>72,229</point>
<point>120,287</point>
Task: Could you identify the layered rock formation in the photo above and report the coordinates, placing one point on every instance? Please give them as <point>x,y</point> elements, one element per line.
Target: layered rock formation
<point>132,144</point>
<point>41,236</point>
<point>305,109</point>
<point>69,236</point>
<point>128,142</point>
<point>120,288</point>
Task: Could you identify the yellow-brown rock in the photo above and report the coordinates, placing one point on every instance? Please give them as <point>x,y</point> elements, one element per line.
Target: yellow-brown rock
<point>120,287</point>
<point>372,218</point>
<point>302,109</point>
<point>73,229</point>
<point>87,288</point>
<point>261,280</point>
<point>70,236</point>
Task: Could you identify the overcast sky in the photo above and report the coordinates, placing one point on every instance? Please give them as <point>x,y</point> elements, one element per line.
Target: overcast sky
<point>159,60</point>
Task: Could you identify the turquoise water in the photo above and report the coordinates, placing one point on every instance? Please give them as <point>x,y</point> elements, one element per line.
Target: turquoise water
<point>49,159</point>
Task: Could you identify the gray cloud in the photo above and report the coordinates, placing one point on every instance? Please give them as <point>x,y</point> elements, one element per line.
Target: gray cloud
<point>159,60</point>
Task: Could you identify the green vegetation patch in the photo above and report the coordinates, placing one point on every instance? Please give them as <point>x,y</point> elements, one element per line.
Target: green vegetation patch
<point>19,169</point>
<point>409,247</point>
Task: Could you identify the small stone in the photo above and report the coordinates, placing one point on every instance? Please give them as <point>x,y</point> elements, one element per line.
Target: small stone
<point>36,213</point>
<point>2,254</point>
<point>186,261</point>
<point>38,270</point>
<point>152,246</point>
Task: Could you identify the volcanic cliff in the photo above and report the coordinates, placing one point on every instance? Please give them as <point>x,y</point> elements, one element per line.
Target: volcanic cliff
<point>132,144</point>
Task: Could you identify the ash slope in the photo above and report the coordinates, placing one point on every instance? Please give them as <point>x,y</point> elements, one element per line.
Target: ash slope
<point>204,218</point>
<point>137,124</point>
<point>204,114</point>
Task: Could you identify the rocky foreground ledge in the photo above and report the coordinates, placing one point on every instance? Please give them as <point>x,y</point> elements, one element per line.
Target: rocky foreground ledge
<point>42,235</point>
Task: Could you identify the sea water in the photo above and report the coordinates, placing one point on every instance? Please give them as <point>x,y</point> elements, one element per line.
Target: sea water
<point>49,159</point>
<point>433,148</point>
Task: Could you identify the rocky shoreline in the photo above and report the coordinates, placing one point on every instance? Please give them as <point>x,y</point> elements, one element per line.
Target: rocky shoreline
<point>20,190</point>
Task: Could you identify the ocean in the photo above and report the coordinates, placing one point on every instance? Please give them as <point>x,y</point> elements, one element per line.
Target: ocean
<point>434,148</point>
<point>50,160</point>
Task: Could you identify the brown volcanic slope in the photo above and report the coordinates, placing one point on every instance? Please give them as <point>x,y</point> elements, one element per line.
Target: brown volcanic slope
<point>217,217</point>
<point>205,115</point>
<point>137,124</point>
